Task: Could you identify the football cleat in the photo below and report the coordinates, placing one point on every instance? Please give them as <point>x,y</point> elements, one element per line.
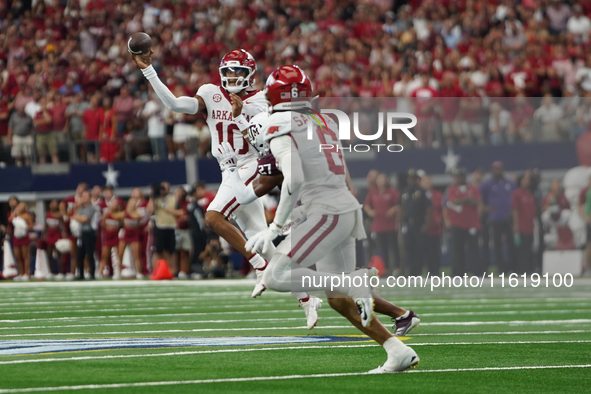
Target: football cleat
<point>402,360</point>
<point>362,296</point>
<point>311,310</point>
<point>404,325</point>
<point>365,309</point>
<point>259,288</point>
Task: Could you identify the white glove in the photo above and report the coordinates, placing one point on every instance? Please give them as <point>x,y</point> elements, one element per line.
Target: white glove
<point>262,240</point>
<point>228,158</point>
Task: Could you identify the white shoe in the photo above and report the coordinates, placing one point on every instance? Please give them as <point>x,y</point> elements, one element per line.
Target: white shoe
<point>59,276</point>
<point>117,276</point>
<point>86,275</point>
<point>362,296</point>
<point>196,276</point>
<point>311,310</point>
<point>17,278</point>
<point>49,277</point>
<point>402,360</point>
<point>70,276</point>
<point>25,278</point>
<point>260,287</point>
<point>139,276</point>
<point>182,275</point>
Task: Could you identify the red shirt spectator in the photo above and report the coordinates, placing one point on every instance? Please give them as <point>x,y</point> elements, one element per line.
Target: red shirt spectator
<point>93,120</point>
<point>524,203</point>
<point>463,214</point>
<point>57,109</point>
<point>380,203</point>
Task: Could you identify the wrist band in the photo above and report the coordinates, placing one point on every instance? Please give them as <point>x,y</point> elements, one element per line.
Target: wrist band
<point>241,122</point>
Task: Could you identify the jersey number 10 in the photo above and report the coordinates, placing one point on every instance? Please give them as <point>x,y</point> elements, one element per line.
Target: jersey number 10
<point>232,127</point>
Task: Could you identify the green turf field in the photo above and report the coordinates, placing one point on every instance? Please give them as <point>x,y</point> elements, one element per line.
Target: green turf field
<point>210,336</point>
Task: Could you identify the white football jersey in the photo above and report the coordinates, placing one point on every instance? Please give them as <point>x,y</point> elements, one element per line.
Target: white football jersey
<point>324,186</point>
<point>220,120</point>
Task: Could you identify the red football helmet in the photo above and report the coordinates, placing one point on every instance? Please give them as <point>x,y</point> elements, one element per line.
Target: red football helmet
<point>288,87</point>
<point>242,65</point>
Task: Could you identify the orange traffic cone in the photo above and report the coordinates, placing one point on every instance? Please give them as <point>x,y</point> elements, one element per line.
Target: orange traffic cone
<point>378,263</point>
<point>161,271</point>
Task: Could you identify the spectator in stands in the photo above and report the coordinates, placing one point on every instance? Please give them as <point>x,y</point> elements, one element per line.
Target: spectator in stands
<point>498,123</point>
<point>4,117</point>
<point>549,115</point>
<point>109,143</point>
<point>92,120</point>
<point>382,205</point>
<point>124,109</point>
<point>558,14</point>
<point>520,126</point>
<point>435,230</point>
<point>523,207</point>
<point>46,137</point>
<point>584,207</point>
<point>470,113</point>
<point>86,214</point>
<point>57,109</point>
<point>34,106</point>
<point>152,113</point>
<point>463,201</point>
<point>75,125</point>
<point>20,136</point>
<point>496,195</point>
<point>21,222</point>
<point>203,136</point>
<point>579,25</point>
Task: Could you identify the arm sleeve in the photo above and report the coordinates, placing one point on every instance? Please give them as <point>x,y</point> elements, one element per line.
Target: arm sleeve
<point>183,104</point>
<point>244,194</point>
<point>291,166</point>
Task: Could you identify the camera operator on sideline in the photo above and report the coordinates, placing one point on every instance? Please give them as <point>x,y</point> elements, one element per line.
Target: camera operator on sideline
<point>162,205</point>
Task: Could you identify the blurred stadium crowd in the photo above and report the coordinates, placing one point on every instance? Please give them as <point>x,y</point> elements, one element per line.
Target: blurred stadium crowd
<point>70,92</point>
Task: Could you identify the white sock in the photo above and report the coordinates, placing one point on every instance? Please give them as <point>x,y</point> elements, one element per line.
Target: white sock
<point>300,295</point>
<point>392,345</point>
<point>403,316</point>
<point>257,261</point>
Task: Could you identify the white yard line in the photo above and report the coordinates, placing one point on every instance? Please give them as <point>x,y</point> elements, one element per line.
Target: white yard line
<point>268,378</point>
<point>516,322</point>
<point>243,350</point>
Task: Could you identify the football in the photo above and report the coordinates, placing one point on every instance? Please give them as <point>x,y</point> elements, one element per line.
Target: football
<point>139,43</point>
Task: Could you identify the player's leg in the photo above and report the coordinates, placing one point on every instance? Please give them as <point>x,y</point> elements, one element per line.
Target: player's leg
<point>250,218</point>
<point>400,356</point>
<point>306,245</point>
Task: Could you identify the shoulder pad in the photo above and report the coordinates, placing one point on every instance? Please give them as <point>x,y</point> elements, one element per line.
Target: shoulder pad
<point>277,124</point>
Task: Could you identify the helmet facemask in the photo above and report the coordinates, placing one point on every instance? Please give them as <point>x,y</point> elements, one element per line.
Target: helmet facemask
<point>241,75</point>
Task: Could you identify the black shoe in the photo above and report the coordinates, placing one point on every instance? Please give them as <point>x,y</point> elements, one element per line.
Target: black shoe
<point>405,325</point>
